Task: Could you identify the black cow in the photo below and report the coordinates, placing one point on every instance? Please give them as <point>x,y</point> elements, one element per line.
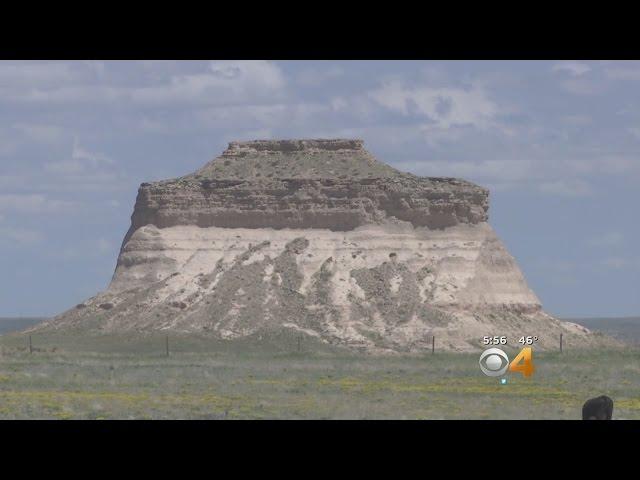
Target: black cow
<point>599,408</point>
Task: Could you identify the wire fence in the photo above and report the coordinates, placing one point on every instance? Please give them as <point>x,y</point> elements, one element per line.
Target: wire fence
<point>167,345</point>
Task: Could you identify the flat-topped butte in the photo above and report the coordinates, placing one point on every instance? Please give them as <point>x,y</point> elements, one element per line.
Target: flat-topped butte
<point>318,238</point>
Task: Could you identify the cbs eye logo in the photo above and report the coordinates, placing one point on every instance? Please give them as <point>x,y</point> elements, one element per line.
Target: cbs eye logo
<point>494,362</point>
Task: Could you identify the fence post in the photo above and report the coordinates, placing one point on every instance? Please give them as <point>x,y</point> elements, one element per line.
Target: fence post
<point>299,339</point>
<point>167,344</point>
<point>433,344</point>
<point>30,345</point>
<point>560,343</point>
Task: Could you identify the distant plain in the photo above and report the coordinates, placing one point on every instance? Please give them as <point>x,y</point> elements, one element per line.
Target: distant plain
<point>626,329</point>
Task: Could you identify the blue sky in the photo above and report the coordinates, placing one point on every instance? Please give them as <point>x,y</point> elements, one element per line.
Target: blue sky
<point>557,143</point>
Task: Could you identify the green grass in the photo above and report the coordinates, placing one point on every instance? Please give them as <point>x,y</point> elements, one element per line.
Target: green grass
<point>104,377</point>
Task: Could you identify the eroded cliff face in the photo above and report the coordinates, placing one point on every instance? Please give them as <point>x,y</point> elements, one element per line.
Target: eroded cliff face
<point>332,184</point>
<point>319,237</point>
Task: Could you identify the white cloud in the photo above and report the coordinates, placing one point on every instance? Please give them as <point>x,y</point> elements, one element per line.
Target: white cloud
<point>20,235</point>
<point>26,74</point>
<point>360,107</point>
<point>583,86</point>
<point>567,188</point>
<point>98,67</point>
<point>493,170</point>
<point>314,77</point>
<point>33,204</point>
<point>338,104</point>
<point>575,79</point>
<point>65,167</point>
<point>41,132</point>
<point>603,163</point>
<point>574,69</point>
<point>577,120</point>
<point>219,83</point>
<point>289,117</point>
<point>225,83</point>
<point>8,143</point>
<point>85,169</point>
<point>445,107</point>
<point>81,161</point>
<point>261,134</point>
<point>635,131</point>
<point>616,263</point>
<point>623,71</point>
<point>444,137</point>
<point>609,239</point>
<point>67,95</point>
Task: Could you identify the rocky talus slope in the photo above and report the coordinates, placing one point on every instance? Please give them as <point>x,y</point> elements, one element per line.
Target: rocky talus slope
<point>318,237</point>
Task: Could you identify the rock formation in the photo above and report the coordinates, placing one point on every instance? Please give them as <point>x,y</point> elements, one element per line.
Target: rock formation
<point>319,237</point>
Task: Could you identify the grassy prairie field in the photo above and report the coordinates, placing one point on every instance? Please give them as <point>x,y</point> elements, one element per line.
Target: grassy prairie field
<point>100,377</point>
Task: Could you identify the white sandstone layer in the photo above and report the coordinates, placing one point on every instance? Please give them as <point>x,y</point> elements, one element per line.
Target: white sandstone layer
<point>379,287</point>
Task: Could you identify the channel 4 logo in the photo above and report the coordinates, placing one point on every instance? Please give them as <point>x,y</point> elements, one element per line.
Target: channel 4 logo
<point>494,362</point>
